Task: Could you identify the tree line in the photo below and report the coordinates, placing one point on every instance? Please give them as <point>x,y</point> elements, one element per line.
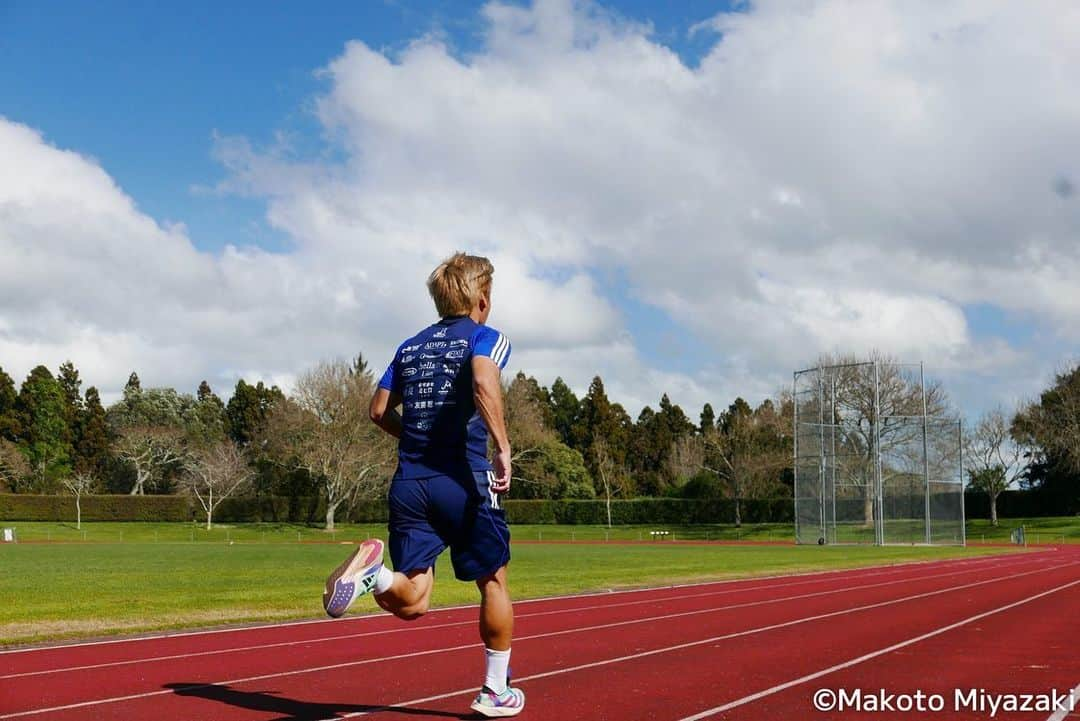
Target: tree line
<point>317,441</point>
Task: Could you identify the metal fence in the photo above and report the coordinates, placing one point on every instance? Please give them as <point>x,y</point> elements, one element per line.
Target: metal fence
<point>874,463</point>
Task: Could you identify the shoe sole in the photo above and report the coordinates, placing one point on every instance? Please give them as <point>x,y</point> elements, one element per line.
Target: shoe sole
<point>339,594</point>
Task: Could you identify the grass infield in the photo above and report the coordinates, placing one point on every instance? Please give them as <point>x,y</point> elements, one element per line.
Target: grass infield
<point>134,577</point>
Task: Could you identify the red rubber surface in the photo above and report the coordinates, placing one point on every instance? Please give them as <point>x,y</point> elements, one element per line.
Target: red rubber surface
<point>673,653</point>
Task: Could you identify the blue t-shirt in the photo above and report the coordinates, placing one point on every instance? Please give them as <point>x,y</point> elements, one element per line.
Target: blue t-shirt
<point>442,432</point>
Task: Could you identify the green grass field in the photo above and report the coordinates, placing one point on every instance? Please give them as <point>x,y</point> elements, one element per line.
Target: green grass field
<point>131,577</point>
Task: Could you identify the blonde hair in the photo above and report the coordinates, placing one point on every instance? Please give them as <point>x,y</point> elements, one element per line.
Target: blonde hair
<point>459,281</point>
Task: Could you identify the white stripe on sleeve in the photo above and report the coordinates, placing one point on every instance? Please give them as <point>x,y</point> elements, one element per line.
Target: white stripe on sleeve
<point>497,349</point>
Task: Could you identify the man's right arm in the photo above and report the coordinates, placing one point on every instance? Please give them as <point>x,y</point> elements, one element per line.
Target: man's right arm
<point>487,390</point>
<point>383,411</point>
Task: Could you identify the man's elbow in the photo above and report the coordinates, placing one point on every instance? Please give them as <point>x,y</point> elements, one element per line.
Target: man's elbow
<point>376,414</point>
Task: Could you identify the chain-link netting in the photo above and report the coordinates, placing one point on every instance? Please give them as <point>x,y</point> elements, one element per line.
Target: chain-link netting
<point>872,462</point>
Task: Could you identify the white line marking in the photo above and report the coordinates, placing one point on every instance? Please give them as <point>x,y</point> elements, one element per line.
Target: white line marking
<point>550,634</point>
<point>873,654</point>
<point>881,569</point>
<point>1061,713</point>
<point>472,622</point>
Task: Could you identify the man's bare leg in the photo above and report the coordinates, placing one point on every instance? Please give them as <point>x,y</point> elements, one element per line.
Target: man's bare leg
<point>409,594</point>
<point>496,629</point>
<point>496,611</point>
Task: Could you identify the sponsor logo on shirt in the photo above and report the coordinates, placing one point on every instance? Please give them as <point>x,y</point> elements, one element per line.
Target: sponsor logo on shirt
<point>427,366</point>
<point>426,388</point>
<point>423,425</point>
<point>449,369</point>
<point>439,333</point>
<point>446,387</point>
<point>427,374</point>
<point>435,344</point>
<point>410,390</point>
<point>408,372</point>
<point>411,348</point>
<point>407,358</point>
<point>429,355</point>
<point>455,354</point>
<point>459,343</point>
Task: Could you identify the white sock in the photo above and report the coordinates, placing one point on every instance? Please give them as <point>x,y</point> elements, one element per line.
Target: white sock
<point>384,579</point>
<point>497,664</point>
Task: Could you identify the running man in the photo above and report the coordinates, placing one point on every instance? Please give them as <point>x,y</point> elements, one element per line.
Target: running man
<point>445,493</point>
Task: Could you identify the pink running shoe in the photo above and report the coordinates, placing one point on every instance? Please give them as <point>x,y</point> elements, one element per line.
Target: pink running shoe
<point>353,578</point>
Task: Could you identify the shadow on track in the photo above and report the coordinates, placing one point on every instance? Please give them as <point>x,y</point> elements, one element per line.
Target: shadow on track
<point>293,709</point>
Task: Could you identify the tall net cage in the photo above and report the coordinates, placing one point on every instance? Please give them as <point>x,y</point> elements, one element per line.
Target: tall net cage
<point>876,461</point>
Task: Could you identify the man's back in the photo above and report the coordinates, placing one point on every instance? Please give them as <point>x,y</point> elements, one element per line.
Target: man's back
<point>442,434</point>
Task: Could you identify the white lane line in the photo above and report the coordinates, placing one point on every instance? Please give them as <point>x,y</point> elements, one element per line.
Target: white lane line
<point>880,570</point>
<point>873,654</point>
<point>1061,713</point>
<point>550,634</point>
<point>472,622</point>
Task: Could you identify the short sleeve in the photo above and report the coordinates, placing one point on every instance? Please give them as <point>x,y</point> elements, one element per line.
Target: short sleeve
<point>492,344</point>
<point>391,380</point>
<point>388,378</point>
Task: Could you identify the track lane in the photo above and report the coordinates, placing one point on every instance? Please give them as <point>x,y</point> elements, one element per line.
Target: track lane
<point>459,636</point>
<point>327,686</point>
<point>147,648</point>
<point>1029,649</point>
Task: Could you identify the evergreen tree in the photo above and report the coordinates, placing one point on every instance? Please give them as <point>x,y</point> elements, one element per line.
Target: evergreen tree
<point>248,409</point>
<point>133,384</point>
<point>600,420</point>
<point>206,423</point>
<point>9,417</point>
<point>71,383</point>
<point>93,454</point>
<point>708,419</point>
<point>565,409</point>
<point>42,409</point>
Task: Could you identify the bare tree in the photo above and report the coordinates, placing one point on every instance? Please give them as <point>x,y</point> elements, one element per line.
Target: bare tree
<point>149,449</point>
<point>77,485</point>
<point>324,429</point>
<point>994,461</point>
<point>214,473</point>
<point>687,457</point>
<point>860,410</point>
<point>612,477</point>
<point>747,451</point>
<point>14,467</point>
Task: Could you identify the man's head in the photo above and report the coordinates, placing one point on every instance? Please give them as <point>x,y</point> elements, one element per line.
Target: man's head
<point>461,285</point>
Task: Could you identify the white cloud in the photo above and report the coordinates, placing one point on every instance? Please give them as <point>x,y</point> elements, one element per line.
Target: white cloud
<point>835,174</point>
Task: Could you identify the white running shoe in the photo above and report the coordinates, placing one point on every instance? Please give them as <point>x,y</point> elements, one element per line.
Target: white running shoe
<point>510,702</point>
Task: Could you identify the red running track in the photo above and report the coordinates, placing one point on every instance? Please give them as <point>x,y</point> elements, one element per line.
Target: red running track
<point>752,649</point>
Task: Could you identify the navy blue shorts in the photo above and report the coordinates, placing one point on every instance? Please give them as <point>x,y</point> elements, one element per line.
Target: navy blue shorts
<point>429,514</point>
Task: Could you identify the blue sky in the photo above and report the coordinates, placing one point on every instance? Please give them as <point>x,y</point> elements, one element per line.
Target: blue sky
<point>144,87</point>
<point>712,210</point>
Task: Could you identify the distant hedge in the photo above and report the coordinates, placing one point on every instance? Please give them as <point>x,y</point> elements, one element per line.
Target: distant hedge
<point>20,507</point>
<point>311,509</point>
<point>636,511</point>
